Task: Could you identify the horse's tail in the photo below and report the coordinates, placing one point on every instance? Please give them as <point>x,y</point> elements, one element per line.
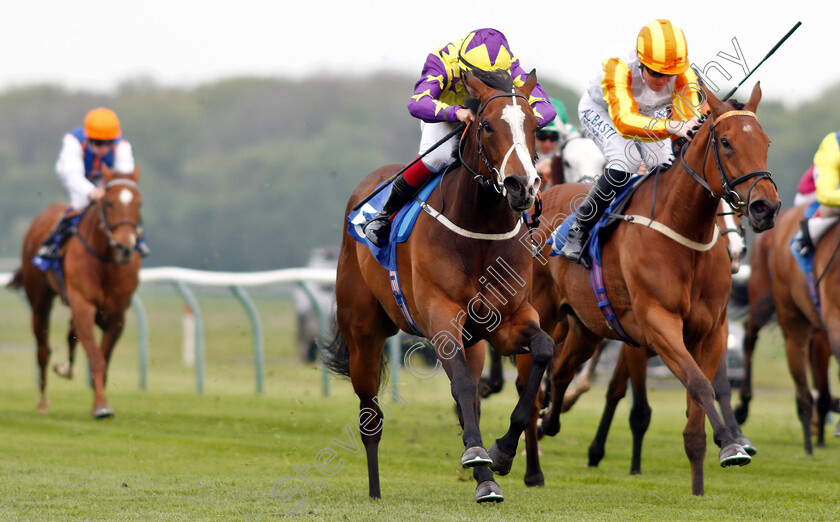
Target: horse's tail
<point>335,355</point>
<point>16,281</point>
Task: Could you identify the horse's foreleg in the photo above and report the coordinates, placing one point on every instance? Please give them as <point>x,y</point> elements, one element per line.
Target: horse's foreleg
<point>616,390</point>
<point>664,332</point>
<point>112,330</point>
<point>533,472</point>
<point>540,345</point>
<point>84,314</point>
<point>797,333</point>
<point>637,361</point>
<point>495,381</point>
<point>723,394</point>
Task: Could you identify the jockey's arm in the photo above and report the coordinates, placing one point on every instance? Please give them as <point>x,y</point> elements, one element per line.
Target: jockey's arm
<point>425,104</point>
<point>123,158</point>
<point>616,86</point>
<point>70,168</point>
<point>827,163</point>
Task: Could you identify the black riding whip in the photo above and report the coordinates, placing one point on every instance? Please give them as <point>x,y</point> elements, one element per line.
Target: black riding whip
<point>458,129</point>
<point>773,50</point>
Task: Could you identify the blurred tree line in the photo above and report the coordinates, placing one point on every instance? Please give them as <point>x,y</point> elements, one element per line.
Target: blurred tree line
<point>251,174</point>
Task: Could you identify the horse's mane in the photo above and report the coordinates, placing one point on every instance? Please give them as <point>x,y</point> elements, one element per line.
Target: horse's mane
<point>736,104</point>
<point>498,79</point>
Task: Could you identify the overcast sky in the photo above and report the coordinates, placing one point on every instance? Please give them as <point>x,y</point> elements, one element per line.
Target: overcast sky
<point>97,45</point>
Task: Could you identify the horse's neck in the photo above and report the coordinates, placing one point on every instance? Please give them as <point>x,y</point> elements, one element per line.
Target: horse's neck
<point>90,232</point>
<point>471,206</point>
<point>688,207</point>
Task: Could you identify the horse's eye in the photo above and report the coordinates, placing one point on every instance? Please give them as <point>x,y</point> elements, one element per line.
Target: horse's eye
<point>485,126</point>
<point>566,163</point>
<point>725,143</point>
<point>108,204</point>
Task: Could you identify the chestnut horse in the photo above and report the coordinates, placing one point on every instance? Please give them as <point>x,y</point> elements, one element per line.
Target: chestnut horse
<point>442,269</point>
<point>798,317</point>
<point>669,297</point>
<point>632,365</point>
<point>100,272</point>
<point>761,310</point>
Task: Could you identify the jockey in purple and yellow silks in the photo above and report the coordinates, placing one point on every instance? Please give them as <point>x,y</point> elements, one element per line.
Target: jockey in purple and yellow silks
<point>83,152</point>
<point>826,174</point>
<point>635,102</point>
<point>437,102</point>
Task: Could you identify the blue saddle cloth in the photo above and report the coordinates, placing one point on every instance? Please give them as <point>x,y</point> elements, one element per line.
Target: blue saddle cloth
<point>806,263</point>
<point>559,237</point>
<point>401,226</point>
<point>44,263</point>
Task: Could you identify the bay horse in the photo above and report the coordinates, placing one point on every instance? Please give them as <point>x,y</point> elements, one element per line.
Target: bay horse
<point>669,297</point>
<point>798,317</point>
<point>441,269</point>
<point>762,309</point>
<point>100,272</point>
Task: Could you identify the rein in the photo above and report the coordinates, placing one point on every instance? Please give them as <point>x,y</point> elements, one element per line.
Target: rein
<point>729,195</point>
<point>497,184</point>
<point>103,223</point>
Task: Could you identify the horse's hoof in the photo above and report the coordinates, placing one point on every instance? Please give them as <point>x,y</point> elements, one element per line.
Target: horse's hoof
<point>488,491</point>
<point>475,457</point>
<point>747,445</point>
<point>63,369</point>
<point>501,461</point>
<point>535,480</point>
<point>103,412</point>
<point>733,455</point>
<point>547,428</point>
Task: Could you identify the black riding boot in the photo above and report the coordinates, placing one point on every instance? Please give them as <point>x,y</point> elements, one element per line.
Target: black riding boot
<point>590,211</point>
<point>804,243</point>
<point>378,228</point>
<point>51,246</point>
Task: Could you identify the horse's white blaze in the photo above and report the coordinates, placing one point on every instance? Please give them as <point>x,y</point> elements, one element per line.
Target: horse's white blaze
<point>736,242</point>
<point>747,127</point>
<point>126,196</point>
<point>515,117</point>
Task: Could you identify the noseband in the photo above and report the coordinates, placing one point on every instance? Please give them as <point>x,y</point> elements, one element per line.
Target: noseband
<point>496,184</point>
<point>729,195</point>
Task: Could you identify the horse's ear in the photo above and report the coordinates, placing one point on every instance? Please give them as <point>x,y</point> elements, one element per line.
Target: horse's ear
<point>716,105</point>
<point>755,97</point>
<point>136,175</point>
<point>478,87</point>
<point>107,173</point>
<point>530,83</point>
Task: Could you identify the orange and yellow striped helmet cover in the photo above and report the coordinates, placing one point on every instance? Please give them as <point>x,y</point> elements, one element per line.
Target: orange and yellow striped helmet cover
<point>661,47</point>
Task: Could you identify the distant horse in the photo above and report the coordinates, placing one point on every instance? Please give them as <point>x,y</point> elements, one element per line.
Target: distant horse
<point>668,294</point>
<point>798,317</point>
<point>579,158</point>
<point>761,310</point>
<point>100,272</point>
<point>441,269</point>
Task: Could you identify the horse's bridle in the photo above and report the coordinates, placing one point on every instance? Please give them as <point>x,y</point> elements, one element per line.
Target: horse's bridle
<point>729,195</point>
<point>496,184</point>
<point>103,223</point>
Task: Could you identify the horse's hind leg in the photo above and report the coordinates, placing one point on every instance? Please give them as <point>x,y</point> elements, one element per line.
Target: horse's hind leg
<point>65,369</point>
<point>819,353</point>
<point>616,390</point>
<point>583,381</point>
<point>637,362</point>
<point>41,306</point>
<point>494,382</point>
